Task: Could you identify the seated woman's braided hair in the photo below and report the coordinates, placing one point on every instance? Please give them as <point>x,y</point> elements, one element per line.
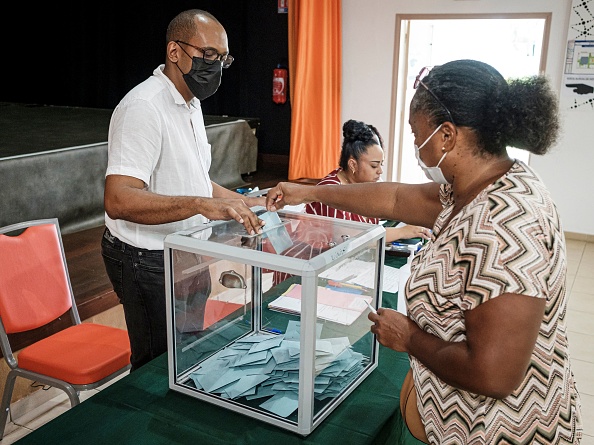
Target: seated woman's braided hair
<point>357,136</point>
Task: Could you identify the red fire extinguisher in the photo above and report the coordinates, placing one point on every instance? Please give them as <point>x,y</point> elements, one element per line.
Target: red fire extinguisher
<point>279,85</point>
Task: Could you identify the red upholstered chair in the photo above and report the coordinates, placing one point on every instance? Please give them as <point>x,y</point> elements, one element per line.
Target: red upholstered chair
<point>35,289</point>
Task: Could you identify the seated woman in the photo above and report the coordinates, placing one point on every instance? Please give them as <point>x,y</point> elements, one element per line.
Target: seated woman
<point>361,160</point>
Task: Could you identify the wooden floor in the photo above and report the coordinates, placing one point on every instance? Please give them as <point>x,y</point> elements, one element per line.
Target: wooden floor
<point>91,286</point>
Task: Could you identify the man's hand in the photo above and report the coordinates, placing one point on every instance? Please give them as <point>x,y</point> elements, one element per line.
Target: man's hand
<point>255,201</point>
<point>127,198</point>
<point>226,209</point>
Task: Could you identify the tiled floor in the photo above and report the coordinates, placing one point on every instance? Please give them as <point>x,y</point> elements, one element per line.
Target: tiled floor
<point>581,337</point>
<point>580,324</point>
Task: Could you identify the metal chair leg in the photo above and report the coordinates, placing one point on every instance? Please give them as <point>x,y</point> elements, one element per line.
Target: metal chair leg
<point>6,397</point>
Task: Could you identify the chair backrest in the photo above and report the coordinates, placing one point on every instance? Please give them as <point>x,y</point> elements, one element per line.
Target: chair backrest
<point>34,283</point>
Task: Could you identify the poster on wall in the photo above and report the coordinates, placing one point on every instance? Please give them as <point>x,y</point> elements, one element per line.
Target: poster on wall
<point>577,90</point>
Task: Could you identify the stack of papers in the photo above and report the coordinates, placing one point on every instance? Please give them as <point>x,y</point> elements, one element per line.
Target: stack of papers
<point>336,306</point>
<point>362,273</point>
<point>267,366</point>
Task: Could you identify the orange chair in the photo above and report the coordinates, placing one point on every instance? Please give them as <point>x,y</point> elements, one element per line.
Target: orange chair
<point>35,289</point>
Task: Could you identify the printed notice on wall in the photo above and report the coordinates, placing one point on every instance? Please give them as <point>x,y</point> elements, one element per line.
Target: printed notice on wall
<point>577,90</point>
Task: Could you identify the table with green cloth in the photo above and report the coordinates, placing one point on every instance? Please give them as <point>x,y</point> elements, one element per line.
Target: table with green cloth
<point>141,409</point>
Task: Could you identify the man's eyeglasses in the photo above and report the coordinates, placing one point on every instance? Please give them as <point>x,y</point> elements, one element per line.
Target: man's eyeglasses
<point>211,55</point>
<point>419,81</point>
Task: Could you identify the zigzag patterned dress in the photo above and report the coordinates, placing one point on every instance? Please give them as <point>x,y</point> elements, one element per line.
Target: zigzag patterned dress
<point>509,239</point>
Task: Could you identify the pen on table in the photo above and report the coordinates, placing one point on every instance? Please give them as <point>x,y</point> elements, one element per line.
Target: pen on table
<point>349,285</point>
<point>371,308</point>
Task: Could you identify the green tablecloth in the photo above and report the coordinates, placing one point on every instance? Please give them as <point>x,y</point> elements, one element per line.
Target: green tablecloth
<point>141,409</point>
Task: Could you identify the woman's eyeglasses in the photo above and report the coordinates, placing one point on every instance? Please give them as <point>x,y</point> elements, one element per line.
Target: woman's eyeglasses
<point>419,81</point>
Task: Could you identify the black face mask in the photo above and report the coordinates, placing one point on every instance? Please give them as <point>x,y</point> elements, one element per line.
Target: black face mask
<point>203,79</point>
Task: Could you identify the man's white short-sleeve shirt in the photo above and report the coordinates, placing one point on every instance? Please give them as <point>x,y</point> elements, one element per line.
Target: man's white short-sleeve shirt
<point>155,136</point>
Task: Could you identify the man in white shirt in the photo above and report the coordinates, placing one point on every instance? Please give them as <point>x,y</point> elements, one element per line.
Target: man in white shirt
<point>157,179</point>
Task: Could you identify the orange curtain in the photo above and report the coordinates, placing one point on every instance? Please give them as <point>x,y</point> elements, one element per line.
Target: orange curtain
<point>315,59</point>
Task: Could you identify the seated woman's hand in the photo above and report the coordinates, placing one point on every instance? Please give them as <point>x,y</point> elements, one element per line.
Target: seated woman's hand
<point>407,232</point>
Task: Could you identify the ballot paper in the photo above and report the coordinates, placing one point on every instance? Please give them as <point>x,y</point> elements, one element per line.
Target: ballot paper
<point>271,372</point>
<point>276,232</point>
<point>340,307</point>
<point>362,273</point>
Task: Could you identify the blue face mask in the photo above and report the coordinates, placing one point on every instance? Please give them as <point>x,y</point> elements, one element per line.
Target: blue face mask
<point>433,173</point>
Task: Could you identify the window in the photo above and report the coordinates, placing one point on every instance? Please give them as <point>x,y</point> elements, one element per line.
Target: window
<point>513,45</point>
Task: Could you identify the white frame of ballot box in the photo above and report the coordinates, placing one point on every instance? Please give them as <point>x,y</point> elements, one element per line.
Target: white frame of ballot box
<point>309,271</point>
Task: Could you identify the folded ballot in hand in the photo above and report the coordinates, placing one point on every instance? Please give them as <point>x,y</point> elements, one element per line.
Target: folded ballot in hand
<point>276,232</point>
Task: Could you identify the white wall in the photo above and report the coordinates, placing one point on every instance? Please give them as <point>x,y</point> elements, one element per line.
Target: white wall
<point>369,29</point>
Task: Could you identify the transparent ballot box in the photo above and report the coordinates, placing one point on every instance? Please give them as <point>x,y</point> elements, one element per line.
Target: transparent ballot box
<point>273,326</point>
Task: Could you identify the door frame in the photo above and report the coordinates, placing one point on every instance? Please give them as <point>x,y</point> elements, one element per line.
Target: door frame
<point>400,73</point>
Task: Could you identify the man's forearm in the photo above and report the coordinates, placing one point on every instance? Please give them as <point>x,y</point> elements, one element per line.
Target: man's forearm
<point>143,207</point>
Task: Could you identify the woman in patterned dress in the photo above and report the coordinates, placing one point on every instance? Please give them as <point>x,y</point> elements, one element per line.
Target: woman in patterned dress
<point>361,160</point>
<point>486,325</point>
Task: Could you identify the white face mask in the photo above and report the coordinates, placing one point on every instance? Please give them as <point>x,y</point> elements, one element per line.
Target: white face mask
<point>433,173</point>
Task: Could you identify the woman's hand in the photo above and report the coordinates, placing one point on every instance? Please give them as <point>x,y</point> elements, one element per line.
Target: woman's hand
<point>392,329</point>
<point>287,193</point>
<point>501,330</point>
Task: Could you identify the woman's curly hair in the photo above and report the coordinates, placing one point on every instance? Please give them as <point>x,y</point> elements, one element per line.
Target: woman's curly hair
<point>521,113</point>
